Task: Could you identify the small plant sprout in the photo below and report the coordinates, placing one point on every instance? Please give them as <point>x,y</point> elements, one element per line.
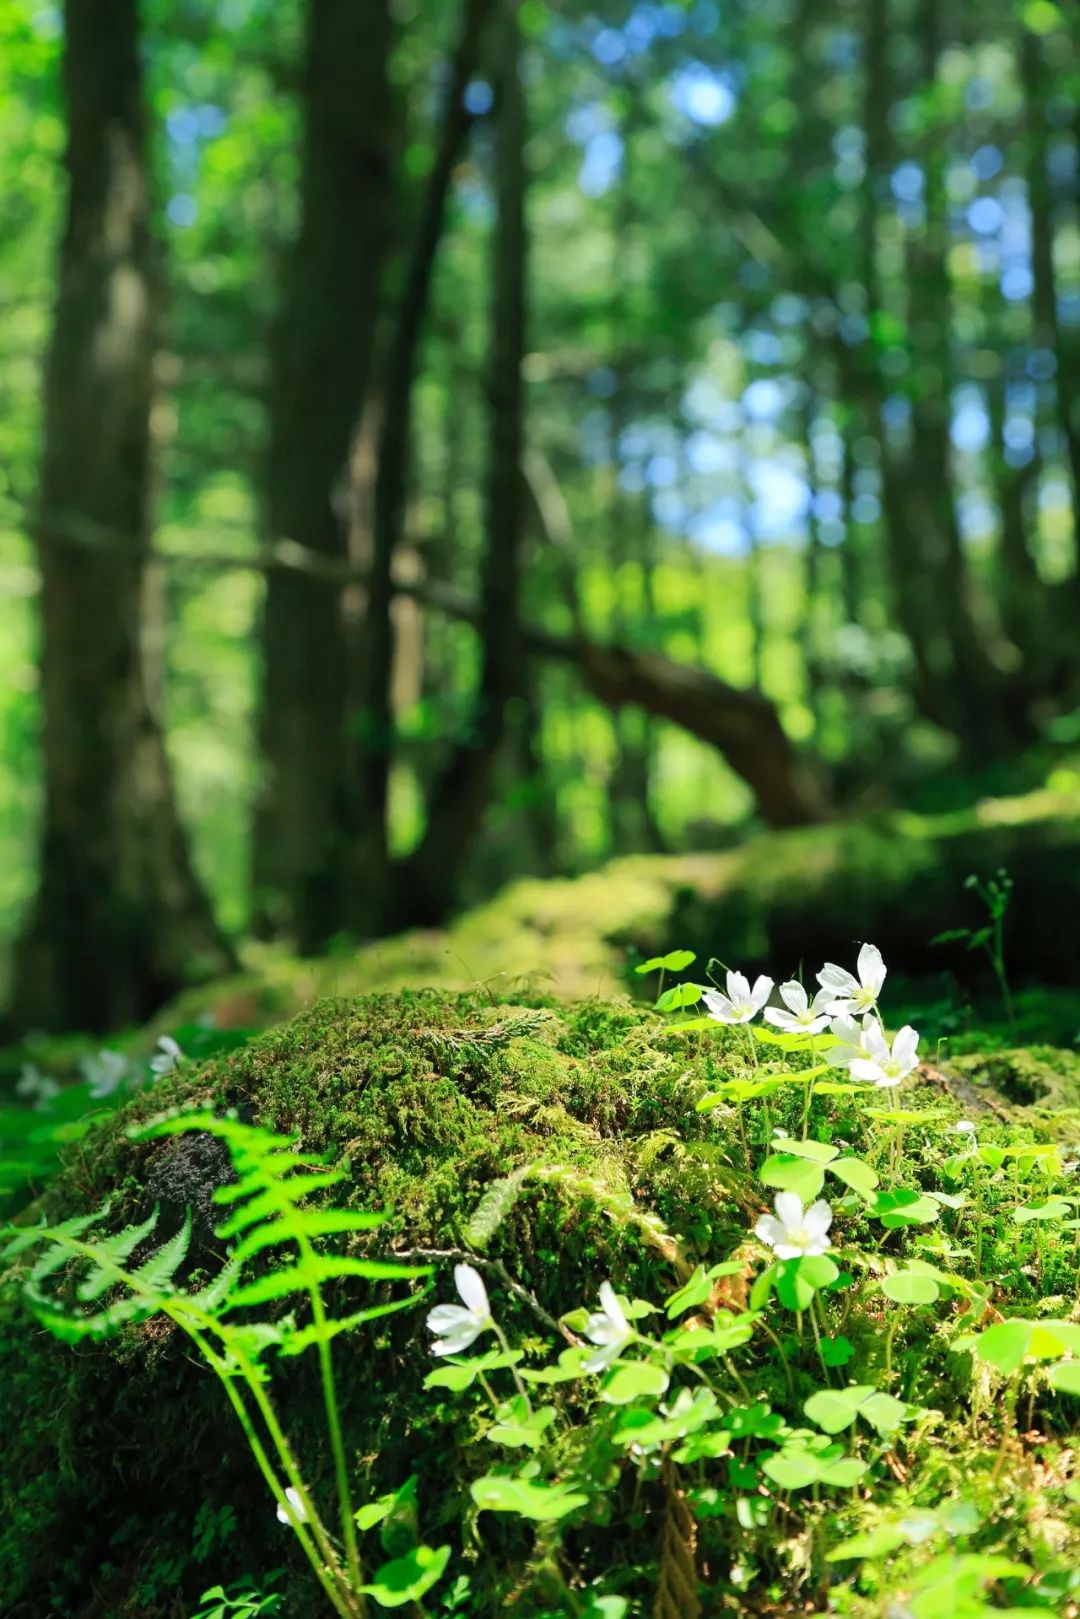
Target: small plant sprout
<point>741,1004</point>
<point>883,1065</point>
<point>295,1511</point>
<point>608,1329</point>
<point>851,996</point>
<point>794,1232</point>
<point>800,1015</point>
<point>995,893</point>
<point>458,1326</point>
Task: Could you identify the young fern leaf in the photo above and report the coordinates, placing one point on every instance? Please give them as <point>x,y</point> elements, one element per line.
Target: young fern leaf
<point>145,1291</point>
<point>496,1205</point>
<point>267,1203</point>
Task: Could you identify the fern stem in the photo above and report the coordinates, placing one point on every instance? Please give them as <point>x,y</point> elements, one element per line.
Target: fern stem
<point>325,1573</point>
<point>333,1423</point>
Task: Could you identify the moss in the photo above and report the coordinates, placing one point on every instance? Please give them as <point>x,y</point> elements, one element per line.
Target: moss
<point>424,1100</point>
<point>1039,1080</point>
<point>779,900</point>
<point>113,1451</point>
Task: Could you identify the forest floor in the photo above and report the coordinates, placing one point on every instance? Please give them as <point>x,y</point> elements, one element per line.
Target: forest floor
<point>880,1421</point>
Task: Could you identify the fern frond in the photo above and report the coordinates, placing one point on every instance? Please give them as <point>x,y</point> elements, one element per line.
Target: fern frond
<point>266,1210</point>
<point>502,1196</point>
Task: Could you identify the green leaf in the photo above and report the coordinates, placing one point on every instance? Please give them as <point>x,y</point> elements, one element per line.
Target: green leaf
<point>879,1542</point>
<point>693,1292</point>
<point>542,1503</point>
<point>797,1280</point>
<point>567,1368</point>
<point>836,1409</point>
<point>633,1380</point>
<point>854,1173</point>
<point>678,996</point>
<point>406,1579</point>
<point>461,1374</point>
<point>1065,1377</point>
<point>817,1152</point>
<point>836,1351</point>
<point>1007,1344</point>
<point>676,961</point>
<point>1053,1209</point>
<point>908,1287</point>
<point>787,1173</point>
<point>903,1208</point>
<point>519,1428</point>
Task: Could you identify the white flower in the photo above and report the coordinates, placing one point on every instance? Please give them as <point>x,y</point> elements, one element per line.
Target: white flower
<point>168,1055</point>
<point>36,1087</point>
<point>104,1072</point>
<point>459,1325</point>
<point>801,1015</point>
<point>851,1039</point>
<point>609,1329</point>
<point>963,1127</point>
<point>793,1231</point>
<point>741,1004</point>
<point>852,996</point>
<point>882,1066</point>
<point>293,1498</point>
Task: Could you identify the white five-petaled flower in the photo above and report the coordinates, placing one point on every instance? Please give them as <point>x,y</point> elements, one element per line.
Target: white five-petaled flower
<point>794,1231</point>
<point>850,1037</point>
<point>104,1072</point>
<point>800,1015</point>
<point>851,996</point>
<point>293,1498</point>
<point>35,1086</point>
<point>459,1325</point>
<point>167,1056</point>
<point>882,1066</point>
<point>609,1329</point>
<point>741,1004</point>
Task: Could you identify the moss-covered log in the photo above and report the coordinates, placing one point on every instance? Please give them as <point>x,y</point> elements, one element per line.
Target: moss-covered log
<point>772,904</point>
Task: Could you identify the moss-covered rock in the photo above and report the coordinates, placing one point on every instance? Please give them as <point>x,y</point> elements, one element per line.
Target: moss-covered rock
<point>115,1454</point>
<point>125,1486</point>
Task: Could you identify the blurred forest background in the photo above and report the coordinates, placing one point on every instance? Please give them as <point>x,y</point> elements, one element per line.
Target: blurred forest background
<point>446,439</point>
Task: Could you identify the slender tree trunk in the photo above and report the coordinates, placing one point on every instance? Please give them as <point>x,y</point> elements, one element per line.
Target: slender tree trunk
<point>369,876</point>
<point>460,798</point>
<point>1049,333</point>
<point>120,922</point>
<point>307,815</point>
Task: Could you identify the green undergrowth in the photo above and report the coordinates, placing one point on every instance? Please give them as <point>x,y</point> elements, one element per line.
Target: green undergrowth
<point>583,1135</point>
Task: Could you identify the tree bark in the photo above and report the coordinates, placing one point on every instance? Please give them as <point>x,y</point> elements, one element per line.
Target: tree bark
<point>307,814</point>
<point>120,922</point>
<point>430,879</point>
<point>369,877</point>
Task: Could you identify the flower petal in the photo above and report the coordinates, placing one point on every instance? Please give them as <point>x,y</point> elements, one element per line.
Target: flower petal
<point>770,1230</point>
<point>794,995</point>
<point>818,1218</point>
<point>866,1069</point>
<point>763,988</point>
<point>738,986</point>
<point>718,1004</point>
<point>781,1018</point>
<point>613,1309</point>
<point>470,1286</point>
<point>872,969</point>
<point>906,1045</point>
<point>837,979</point>
<point>789,1208</point>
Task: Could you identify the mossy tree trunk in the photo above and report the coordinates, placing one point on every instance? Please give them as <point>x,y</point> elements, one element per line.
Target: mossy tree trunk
<point>307,814</point>
<point>120,922</point>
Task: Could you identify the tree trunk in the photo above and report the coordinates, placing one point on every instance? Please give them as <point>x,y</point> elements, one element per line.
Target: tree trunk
<point>461,794</point>
<point>307,814</point>
<point>369,876</point>
<point>120,922</point>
